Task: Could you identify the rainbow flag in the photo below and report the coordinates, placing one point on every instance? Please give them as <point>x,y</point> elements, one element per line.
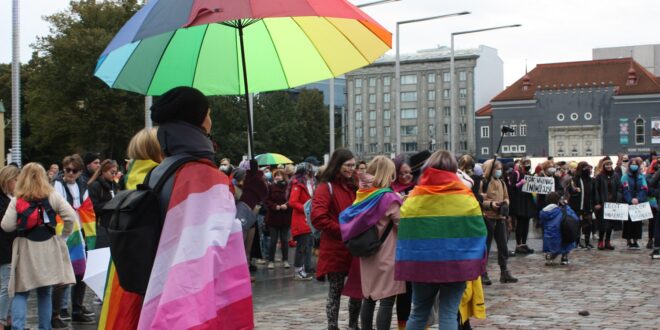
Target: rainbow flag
<point>442,234</point>
<point>121,309</point>
<point>200,278</point>
<point>370,205</point>
<point>85,220</point>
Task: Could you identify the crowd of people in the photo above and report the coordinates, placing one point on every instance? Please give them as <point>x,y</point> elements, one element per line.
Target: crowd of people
<point>412,234</point>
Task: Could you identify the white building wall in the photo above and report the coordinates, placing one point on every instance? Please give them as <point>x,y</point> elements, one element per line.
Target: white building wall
<point>646,55</point>
<point>488,76</point>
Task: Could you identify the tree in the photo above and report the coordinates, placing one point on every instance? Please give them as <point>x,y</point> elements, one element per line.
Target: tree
<point>68,109</point>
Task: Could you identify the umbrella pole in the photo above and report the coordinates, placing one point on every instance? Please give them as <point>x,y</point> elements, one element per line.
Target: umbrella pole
<point>247,96</point>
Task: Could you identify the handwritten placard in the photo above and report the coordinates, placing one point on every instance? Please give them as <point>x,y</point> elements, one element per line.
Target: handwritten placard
<point>640,212</point>
<point>539,184</point>
<point>616,211</point>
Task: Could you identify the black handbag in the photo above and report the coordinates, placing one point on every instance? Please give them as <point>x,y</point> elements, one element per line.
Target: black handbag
<point>367,243</point>
<point>569,227</point>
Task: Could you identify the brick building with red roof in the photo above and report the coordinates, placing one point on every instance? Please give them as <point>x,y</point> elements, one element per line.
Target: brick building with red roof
<point>587,108</point>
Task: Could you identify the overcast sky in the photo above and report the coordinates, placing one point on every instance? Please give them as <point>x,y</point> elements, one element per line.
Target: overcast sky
<point>552,31</point>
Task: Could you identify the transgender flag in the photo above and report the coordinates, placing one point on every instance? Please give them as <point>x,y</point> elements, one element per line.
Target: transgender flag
<point>200,278</point>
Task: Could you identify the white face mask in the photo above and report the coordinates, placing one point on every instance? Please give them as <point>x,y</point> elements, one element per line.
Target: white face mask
<point>552,170</point>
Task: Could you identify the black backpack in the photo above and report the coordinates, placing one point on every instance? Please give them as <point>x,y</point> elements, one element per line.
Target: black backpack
<point>367,243</point>
<point>569,227</point>
<point>32,224</point>
<point>134,220</point>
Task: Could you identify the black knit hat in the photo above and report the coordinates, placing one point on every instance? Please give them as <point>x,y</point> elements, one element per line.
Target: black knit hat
<point>180,103</point>
<point>90,158</point>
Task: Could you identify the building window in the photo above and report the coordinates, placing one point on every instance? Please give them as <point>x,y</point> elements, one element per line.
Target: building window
<point>463,145</point>
<point>446,145</point>
<point>387,147</point>
<point>523,129</point>
<point>446,77</point>
<point>373,148</point>
<point>409,146</point>
<point>560,117</point>
<point>386,81</point>
<point>574,116</point>
<point>358,83</point>
<point>445,94</point>
<point>431,113</point>
<point>587,116</point>
<point>505,149</point>
<point>386,97</point>
<point>358,115</point>
<point>358,99</point>
<point>386,114</point>
<point>372,98</point>
<point>372,132</point>
<point>408,96</point>
<point>358,148</point>
<point>639,131</point>
<point>515,130</point>
<point>462,93</point>
<point>410,79</point>
<point>408,113</point>
<point>522,148</point>
<point>446,112</point>
<point>372,115</point>
<point>386,131</point>
<point>431,130</point>
<point>431,96</point>
<point>430,78</point>
<point>514,148</point>
<point>462,76</point>
<point>484,150</point>
<point>445,129</point>
<point>463,110</point>
<point>372,82</point>
<point>485,132</point>
<point>359,132</point>
<point>408,130</point>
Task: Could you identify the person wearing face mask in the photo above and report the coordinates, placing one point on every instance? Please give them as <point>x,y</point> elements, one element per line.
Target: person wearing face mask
<point>278,218</point>
<point>523,207</point>
<point>634,192</point>
<point>608,190</point>
<point>653,168</point>
<point>495,205</point>
<point>654,186</point>
<point>548,169</point>
<point>582,194</point>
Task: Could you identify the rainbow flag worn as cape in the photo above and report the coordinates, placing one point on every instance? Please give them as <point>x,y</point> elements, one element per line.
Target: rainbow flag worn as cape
<point>442,234</point>
<point>200,277</point>
<point>76,242</point>
<point>121,309</point>
<point>370,205</point>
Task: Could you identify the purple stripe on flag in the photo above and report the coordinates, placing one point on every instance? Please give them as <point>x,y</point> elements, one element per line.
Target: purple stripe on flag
<point>439,272</point>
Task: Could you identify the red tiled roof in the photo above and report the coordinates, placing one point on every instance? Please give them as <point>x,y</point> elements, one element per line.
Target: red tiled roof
<point>585,73</point>
<point>487,110</point>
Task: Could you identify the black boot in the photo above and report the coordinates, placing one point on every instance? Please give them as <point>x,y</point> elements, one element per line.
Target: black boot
<point>506,277</point>
<point>485,280</point>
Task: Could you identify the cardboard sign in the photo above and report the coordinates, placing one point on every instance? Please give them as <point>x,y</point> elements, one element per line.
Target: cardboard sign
<point>539,184</point>
<point>640,211</point>
<point>616,211</point>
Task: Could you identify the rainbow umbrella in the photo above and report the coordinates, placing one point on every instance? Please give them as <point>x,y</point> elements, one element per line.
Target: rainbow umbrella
<point>218,46</point>
<point>272,159</point>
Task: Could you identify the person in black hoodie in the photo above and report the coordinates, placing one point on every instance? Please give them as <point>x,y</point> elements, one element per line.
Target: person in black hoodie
<point>8,175</point>
<point>582,192</point>
<point>608,190</point>
<point>102,188</point>
<point>523,207</point>
<point>278,218</point>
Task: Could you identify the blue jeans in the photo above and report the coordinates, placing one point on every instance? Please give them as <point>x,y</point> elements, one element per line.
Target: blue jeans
<point>19,308</point>
<point>423,297</point>
<point>4,294</point>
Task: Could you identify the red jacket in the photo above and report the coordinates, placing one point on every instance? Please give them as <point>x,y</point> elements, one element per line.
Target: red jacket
<point>299,196</point>
<point>333,255</point>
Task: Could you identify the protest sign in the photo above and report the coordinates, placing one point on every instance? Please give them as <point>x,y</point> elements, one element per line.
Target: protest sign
<point>539,184</point>
<point>616,211</point>
<point>640,212</point>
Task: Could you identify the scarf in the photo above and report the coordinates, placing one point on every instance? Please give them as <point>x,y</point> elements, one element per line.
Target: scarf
<point>369,207</point>
<point>442,235</point>
<point>181,137</point>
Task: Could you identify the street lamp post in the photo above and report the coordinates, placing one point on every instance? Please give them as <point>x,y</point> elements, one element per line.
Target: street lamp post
<point>397,72</point>
<point>15,87</point>
<point>453,100</point>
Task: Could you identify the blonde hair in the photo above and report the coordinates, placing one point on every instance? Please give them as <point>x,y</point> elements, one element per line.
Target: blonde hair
<point>144,145</point>
<point>442,160</point>
<point>33,183</point>
<point>8,173</point>
<point>383,170</point>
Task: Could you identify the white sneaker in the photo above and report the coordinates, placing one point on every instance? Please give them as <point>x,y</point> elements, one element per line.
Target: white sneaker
<point>260,261</point>
<point>271,265</point>
<point>286,265</point>
<point>302,276</point>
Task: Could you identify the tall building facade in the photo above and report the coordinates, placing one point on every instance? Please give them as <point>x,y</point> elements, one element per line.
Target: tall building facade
<point>646,55</point>
<point>425,100</point>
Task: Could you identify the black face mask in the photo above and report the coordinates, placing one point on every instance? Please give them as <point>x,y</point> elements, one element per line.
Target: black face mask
<point>281,183</point>
<point>528,167</point>
<point>586,172</point>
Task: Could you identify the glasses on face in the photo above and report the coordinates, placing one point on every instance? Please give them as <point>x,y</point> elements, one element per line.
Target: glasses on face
<point>71,170</point>
<point>112,172</point>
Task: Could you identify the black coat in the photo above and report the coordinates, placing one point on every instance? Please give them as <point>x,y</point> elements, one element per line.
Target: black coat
<point>522,203</point>
<point>602,189</point>
<point>6,239</point>
<point>277,195</point>
<point>588,193</point>
<point>100,193</point>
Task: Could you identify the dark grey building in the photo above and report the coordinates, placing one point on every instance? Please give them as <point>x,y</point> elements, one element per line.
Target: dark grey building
<point>590,108</point>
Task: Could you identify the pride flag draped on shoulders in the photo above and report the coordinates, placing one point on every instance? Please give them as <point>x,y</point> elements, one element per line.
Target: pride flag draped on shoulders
<point>370,205</point>
<point>442,235</point>
<point>200,277</point>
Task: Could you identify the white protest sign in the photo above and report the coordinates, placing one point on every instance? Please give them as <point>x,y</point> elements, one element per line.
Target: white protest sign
<point>541,185</point>
<point>616,211</point>
<point>640,211</point>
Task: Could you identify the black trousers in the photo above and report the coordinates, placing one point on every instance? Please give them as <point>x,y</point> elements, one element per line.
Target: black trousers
<point>604,226</point>
<point>522,230</point>
<point>78,295</point>
<point>497,229</point>
<point>632,230</point>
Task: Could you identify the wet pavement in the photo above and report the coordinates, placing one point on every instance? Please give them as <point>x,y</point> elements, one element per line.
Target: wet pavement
<point>620,289</point>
